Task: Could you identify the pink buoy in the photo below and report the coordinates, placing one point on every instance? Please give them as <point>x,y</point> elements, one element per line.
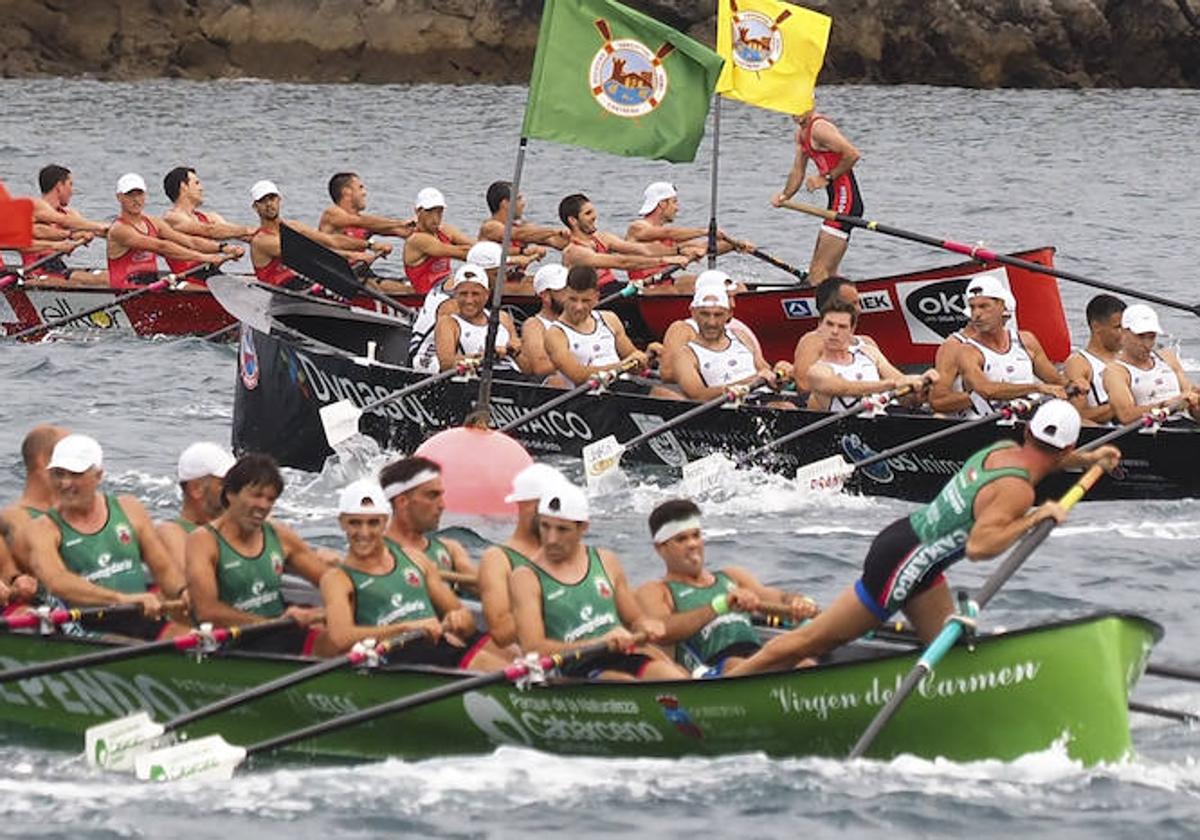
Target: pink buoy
<point>478,466</point>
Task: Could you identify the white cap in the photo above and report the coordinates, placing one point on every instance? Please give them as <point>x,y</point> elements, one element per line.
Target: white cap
<point>262,189</point>
<point>1056,424</point>
<point>714,279</point>
<point>430,198</point>
<point>657,192</point>
<point>468,273</point>
<point>364,497</point>
<point>76,453</point>
<point>710,297</point>
<point>565,501</point>
<point>129,182</point>
<point>550,278</point>
<point>533,481</point>
<point>204,459</point>
<point>485,254</point>
<point>1139,318</point>
<point>988,285</point>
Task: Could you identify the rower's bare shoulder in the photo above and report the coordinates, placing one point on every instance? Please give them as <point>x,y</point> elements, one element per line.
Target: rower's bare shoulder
<point>611,320</point>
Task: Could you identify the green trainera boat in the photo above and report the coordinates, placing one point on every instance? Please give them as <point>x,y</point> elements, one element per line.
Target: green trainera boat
<point>1015,692</point>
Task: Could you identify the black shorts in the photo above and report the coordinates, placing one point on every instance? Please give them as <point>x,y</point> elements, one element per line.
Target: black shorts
<point>899,566</point>
<point>633,664</point>
<point>293,639</point>
<point>741,650</point>
<point>55,269</point>
<point>440,653</point>
<point>144,278</point>
<point>844,198</point>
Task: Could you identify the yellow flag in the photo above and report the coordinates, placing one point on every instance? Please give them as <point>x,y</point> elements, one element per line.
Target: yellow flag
<point>773,52</point>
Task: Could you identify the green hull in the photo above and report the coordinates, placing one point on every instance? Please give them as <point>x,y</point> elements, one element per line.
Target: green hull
<point>1015,693</point>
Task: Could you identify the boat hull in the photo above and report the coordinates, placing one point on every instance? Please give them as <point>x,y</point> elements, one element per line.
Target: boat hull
<point>1014,693</point>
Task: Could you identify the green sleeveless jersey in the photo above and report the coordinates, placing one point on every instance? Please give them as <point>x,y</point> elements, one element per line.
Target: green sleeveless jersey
<point>584,610</point>
<point>952,513</point>
<point>186,524</point>
<point>34,513</point>
<point>111,557</point>
<point>251,584</point>
<point>400,595</point>
<point>515,558</point>
<point>718,634</point>
<point>439,554</point>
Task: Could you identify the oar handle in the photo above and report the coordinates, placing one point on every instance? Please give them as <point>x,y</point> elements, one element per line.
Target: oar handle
<point>631,287</point>
<point>780,264</point>
<point>458,577</point>
<point>38,617</point>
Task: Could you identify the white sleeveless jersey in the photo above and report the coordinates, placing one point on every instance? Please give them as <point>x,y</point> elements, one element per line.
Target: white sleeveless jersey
<point>472,339</point>
<point>594,349</point>
<point>734,324</point>
<point>1096,395</point>
<point>1154,385</point>
<point>860,368</point>
<point>723,367</point>
<point>1014,367</point>
<point>422,350</point>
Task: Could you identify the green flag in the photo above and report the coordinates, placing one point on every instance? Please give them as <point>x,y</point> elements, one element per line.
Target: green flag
<point>610,78</point>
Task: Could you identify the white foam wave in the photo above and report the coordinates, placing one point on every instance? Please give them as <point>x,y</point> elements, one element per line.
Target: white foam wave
<point>1145,529</point>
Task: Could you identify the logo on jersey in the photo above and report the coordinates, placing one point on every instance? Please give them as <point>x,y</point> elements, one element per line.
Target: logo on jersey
<point>124,536</point>
<point>757,41</point>
<point>397,600</point>
<point>627,79</point>
<point>248,360</point>
<point>411,577</point>
<point>276,564</point>
<point>603,589</point>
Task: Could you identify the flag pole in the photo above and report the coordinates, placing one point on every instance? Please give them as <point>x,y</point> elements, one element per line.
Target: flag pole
<point>712,216</point>
<point>483,402</point>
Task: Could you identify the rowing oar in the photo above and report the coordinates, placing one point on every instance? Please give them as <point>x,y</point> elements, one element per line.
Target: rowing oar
<point>595,382</point>
<point>340,419</point>
<point>1159,711</point>
<point>800,274</point>
<point>156,286</point>
<point>312,259</point>
<point>603,457</point>
<point>984,254</point>
<point>120,653</point>
<point>632,287</point>
<point>1173,671</point>
<point>213,757</point>
<point>47,617</point>
<point>16,273</point>
<point>116,743</point>
<point>954,627</point>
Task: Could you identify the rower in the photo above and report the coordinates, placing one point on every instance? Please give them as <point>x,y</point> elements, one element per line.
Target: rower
<point>548,285</point>
<point>266,250</point>
<point>982,510</point>
<point>706,613</point>
<point>1145,377</point>
<point>571,593</point>
<point>498,561</point>
<point>53,210</point>
<point>136,240</point>
<point>463,334</point>
<point>90,547</point>
<point>679,333</point>
<point>985,363</point>
<point>660,205</point>
<point>200,471</point>
<point>812,344</point>
<point>604,251</point>
<point>235,562</point>
<point>1087,364</point>
<point>345,216</point>
<point>414,487</point>
<point>183,188</point>
<point>37,497</point>
<point>380,591</point>
<point>849,368</point>
<point>524,233</point>
<point>428,251</point>
<point>720,356</point>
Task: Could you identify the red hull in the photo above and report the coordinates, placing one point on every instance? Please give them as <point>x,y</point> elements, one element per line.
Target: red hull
<point>154,313</point>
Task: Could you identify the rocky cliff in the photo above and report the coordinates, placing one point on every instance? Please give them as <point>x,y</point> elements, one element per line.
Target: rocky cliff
<point>974,43</point>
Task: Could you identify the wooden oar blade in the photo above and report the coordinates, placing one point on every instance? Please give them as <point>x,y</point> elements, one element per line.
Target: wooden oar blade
<point>825,476</point>
<point>602,462</point>
<point>702,476</point>
<point>206,758</point>
<point>340,421</point>
<point>115,744</point>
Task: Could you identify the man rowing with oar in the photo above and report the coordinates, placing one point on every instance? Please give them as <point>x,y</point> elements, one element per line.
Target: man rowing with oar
<point>548,284</point>
<point>90,547</point>
<point>819,140</point>
<point>592,247</point>
<point>570,593</point>
<point>986,363</point>
<point>680,332</point>
<point>186,193</point>
<point>38,495</point>
<point>1087,364</point>
<point>982,510</point>
<point>524,233</point>
<point>418,497</point>
<point>136,240</point>
<point>266,250</point>
<point>235,562</point>
<point>462,334</point>
<point>849,368</point>
<point>380,591</point>
<point>345,216</point>
<point>498,561</point>
<point>428,251</point>
<point>812,344</point>
<point>706,613</point>
<point>201,469</point>
<point>53,209</point>
<point>660,205</point>
<point>1143,376</point>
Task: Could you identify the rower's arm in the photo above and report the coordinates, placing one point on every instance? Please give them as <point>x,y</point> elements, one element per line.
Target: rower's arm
<point>822,380</point>
<point>688,377</point>
<point>494,569</point>
<point>1043,368</point>
<point>617,245</point>
<point>167,573</point>
<point>655,600</point>
<point>557,238</point>
<point>421,245</point>
<point>1079,369</point>
<point>826,135</point>
<point>943,397</point>
<point>526,595</point>
<point>457,236</point>
<point>1001,517</point>
<point>642,231</point>
<point>533,348</point>
<point>130,239</point>
<point>808,350</point>
<point>201,566</point>
<point>336,241</point>
<point>624,597</point>
<point>376,224</point>
<point>559,351</point>
<point>174,538</point>
<point>47,565</point>
<point>455,617</point>
<point>445,339</point>
<point>1117,383</point>
<point>623,343</point>
<point>337,596</point>
<point>197,243</point>
<point>795,176</point>
<point>299,555</point>
<point>209,230</point>
<point>460,559</point>
<point>676,339</point>
<point>577,255</point>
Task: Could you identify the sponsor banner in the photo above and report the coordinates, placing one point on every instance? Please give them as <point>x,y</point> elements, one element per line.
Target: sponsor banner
<point>801,308</point>
<point>51,306</point>
<point>933,309</point>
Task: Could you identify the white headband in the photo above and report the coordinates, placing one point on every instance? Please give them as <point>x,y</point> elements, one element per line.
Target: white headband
<point>394,490</point>
<point>675,527</point>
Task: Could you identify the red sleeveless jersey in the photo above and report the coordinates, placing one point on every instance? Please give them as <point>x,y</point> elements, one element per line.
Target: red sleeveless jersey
<point>824,160</point>
<point>133,262</point>
<point>643,273</point>
<point>603,275</point>
<point>180,266</point>
<point>429,271</point>
<point>274,273</point>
